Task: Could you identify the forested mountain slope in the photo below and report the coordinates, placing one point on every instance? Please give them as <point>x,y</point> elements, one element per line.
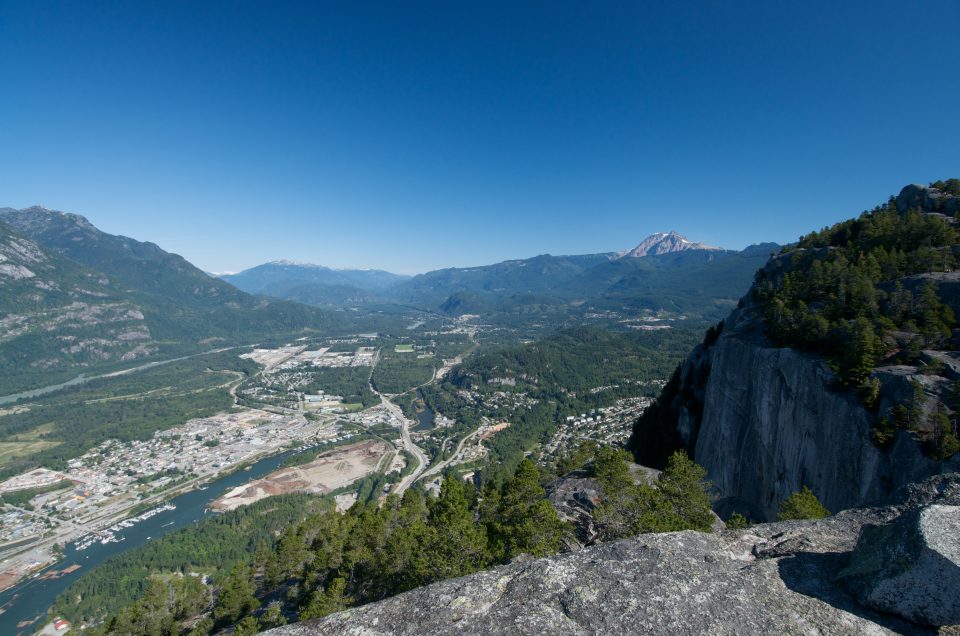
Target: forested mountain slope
<point>839,370</point>
<point>685,281</point>
<point>665,273</point>
<point>55,313</point>
<point>127,300</point>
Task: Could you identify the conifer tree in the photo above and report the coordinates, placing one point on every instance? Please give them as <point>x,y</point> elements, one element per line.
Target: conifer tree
<point>802,505</point>
<point>327,601</point>
<point>236,598</point>
<point>455,545</point>
<point>524,521</point>
<point>684,486</point>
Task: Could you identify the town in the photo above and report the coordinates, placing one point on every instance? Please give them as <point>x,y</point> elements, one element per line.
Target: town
<point>288,406</point>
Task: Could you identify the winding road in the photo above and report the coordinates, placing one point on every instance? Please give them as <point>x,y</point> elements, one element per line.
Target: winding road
<point>438,467</point>
<point>407,441</point>
<point>409,446</point>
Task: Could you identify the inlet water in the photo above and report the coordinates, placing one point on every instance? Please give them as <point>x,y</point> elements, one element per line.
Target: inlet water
<point>25,605</point>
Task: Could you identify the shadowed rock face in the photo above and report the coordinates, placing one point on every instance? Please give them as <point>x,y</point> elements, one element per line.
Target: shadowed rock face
<point>769,579</point>
<point>928,199</point>
<point>911,567</point>
<point>764,421</point>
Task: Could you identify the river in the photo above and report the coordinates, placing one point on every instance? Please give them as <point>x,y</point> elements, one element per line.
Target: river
<point>32,393</point>
<point>424,417</point>
<point>80,379</point>
<point>30,600</point>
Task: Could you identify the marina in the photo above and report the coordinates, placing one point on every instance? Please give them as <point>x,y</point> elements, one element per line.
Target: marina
<point>110,534</point>
<point>23,608</point>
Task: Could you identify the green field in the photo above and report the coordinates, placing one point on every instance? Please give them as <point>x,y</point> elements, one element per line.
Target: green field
<point>397,373</point>
<point>10,451</point>
<point>403,348</point>
<point>27,443</point>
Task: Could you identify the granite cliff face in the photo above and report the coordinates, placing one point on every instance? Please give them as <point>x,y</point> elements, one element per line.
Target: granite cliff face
<point>765,420</point>
<point>790,577</point>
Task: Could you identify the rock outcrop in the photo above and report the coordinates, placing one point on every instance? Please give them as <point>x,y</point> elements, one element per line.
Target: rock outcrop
<point>766,420</point>
<point>911,567</point>
<point>576,495</point>
<point>929,199</point>
<point>775,578</point>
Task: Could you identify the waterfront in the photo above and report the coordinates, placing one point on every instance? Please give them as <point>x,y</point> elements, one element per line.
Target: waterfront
<point>29,600</point>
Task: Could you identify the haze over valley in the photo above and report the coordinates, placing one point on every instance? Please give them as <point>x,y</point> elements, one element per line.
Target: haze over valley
<point>479,319</point>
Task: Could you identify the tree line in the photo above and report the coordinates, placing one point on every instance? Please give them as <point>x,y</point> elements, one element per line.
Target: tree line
<point>331,561</point>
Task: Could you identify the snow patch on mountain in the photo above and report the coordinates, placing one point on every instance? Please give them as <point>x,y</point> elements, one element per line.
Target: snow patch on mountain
<point>663,243</point>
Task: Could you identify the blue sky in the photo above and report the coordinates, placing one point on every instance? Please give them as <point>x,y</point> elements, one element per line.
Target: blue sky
<point>411,136</point>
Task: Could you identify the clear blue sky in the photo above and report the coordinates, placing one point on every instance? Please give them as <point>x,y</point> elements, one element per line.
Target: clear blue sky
<point>410,136</point>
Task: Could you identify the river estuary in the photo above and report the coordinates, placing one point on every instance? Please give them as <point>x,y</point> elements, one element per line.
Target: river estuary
<point>28,601</point>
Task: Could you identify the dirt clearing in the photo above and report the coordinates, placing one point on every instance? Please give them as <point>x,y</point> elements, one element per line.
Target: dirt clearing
<point>329,471</point>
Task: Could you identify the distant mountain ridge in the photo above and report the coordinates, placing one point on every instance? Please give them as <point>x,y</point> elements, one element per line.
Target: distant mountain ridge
<point>313,284</point>
<point>664,243</point>
<point>664,272</point>
<point>262,278</point>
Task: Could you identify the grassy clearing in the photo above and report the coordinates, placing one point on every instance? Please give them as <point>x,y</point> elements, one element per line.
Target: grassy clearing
<point>37,433</point>
<point>9,451</point>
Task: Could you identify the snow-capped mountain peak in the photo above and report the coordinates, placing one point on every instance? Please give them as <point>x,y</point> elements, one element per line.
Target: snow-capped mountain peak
<point>664,243</point>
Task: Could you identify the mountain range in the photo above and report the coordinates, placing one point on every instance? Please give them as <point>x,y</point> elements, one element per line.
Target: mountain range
<point>313,284</point>
<point>664,272</point>
<point>77,299</point>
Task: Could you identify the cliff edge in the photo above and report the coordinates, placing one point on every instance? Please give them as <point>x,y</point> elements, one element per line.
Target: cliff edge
<point>788,577</point>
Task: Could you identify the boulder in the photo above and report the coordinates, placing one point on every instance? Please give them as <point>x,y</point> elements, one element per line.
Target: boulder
<point>911,567</point>
<point>574,497</point>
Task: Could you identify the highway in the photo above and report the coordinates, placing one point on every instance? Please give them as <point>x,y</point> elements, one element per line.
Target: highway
<point>406,441</point>
<point>409,446</point>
